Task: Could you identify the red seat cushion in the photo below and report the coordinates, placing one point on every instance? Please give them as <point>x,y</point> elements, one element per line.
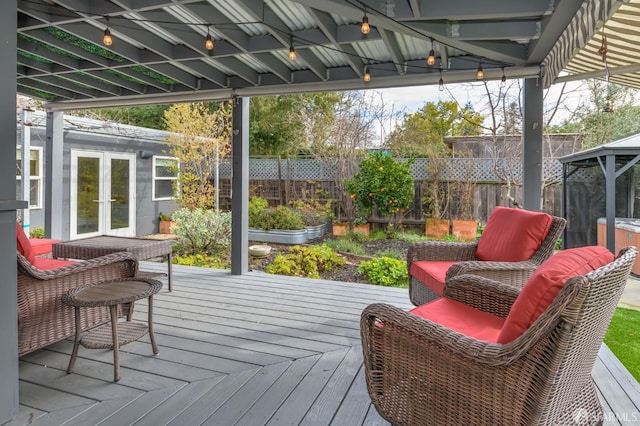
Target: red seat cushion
<point>47,263</point>
<point>24,245</point>
<point>461,318</point>
<point>545,284</point>
<point>431,273</point>
<point>42,246</point>
<point>512,235</point>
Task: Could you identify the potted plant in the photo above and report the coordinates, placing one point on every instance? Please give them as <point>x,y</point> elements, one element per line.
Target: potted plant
<point>165,224</point>
<point>463,225</point>
<point>339,228</point>
<point>360,224</point>
<point>437,197</point>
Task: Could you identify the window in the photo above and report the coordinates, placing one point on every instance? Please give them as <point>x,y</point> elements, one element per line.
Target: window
<point>165,176</point>
<point>35,169</point>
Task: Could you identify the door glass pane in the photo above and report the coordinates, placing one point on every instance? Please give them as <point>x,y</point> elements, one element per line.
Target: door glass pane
<point>119,193</point>
<point>88,195</point>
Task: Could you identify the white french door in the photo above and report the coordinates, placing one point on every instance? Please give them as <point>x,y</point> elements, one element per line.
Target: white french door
<point>102,194</point>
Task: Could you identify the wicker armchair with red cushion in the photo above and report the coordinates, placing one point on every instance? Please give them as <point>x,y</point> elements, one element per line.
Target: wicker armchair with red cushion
<point>488,353</point>
<point>42,318</point>
<point>513,244</point>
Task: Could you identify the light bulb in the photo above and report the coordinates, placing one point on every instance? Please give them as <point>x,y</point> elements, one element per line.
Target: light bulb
<point>208,43</point>
<point>367,75</point>
<point>365,28</point>
<point>480,72</point>
<point>107,39</point>
<point>292,53</point>
<point>432,58</point>
<point>441,84</point>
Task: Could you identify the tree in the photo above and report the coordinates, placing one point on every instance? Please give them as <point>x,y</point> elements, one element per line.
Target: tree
<point>150,116</point>
<point>430,125</point>
<point>200,136</point>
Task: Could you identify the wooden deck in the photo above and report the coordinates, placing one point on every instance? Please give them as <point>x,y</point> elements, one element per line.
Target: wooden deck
<point>250,350</point>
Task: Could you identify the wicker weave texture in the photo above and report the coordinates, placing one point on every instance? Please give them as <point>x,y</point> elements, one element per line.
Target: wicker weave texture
<point>514,273</point>
<point>420,373</point>
<point>43,318</point>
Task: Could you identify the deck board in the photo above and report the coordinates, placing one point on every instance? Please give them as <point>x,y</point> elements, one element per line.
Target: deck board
<point>252,349</point>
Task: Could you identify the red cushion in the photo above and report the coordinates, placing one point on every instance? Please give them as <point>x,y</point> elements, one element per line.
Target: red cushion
<point>42,246</point>
<point>47,263</point>
<point>461,318</point>
<point>23,245</point>
<point>431,273</point>
<point>512,235</point>
<point>545,284</point>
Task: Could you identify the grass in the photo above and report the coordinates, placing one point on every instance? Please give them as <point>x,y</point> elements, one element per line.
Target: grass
<point>623,338</point>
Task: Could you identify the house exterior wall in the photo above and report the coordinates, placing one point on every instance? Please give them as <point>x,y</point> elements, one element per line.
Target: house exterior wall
<point>133,142</point>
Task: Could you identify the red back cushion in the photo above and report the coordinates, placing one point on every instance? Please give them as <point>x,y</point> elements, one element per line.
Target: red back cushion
<point>512,235</point>
<point>545,284</point>
<point>23,245</point>
<point>462,318</point>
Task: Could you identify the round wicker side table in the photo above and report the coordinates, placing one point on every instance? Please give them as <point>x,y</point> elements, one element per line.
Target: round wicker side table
<point>112,336</point>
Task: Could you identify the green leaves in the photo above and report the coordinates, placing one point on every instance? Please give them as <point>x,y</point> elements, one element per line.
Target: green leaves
<point>385,271</point>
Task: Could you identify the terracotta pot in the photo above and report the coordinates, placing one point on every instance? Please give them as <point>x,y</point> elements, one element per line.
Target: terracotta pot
<point>464,229</point>
<point>166,227</point>
<point>436,228</point>
<point>340,229</point>
<point>362,228</point>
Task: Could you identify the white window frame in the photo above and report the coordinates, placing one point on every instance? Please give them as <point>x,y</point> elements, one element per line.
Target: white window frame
<point>156,178</point>
<point>37,180</point>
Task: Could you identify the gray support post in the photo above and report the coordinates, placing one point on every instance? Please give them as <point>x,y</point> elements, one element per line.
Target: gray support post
<point>53,176</point>
<point>240,188</point>
<point>610,201</point>
<point>8,207</point>
<point>532,144</point>
<point>25,172</point>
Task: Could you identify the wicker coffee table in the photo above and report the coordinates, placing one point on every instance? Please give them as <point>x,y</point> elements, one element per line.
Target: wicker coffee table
<point>141,248</point>
<point>111,336</point>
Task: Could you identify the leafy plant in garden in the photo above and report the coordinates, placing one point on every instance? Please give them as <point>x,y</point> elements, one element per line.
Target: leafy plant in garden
<point>37,232</point>
<point>202,260</point>
<point>257,208</point>
<point>385,271</point>
<point>346,245</point>
<point>383,185</point>
<point>201,231</point>
<point>305,261</point>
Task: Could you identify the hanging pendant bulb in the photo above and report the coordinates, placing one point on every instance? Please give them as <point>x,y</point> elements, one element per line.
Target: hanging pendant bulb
<point>441,82</point>
<point>208,42</point>
<point>367,75</point>
<point>480,72</point>
<point>106,38</point>
<point>292,53</point>
<point>503,80</point>
<point>431,59</point>
<point>365,28</point>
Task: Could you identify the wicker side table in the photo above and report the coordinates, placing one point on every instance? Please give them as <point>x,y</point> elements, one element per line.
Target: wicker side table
<point>111,336</point>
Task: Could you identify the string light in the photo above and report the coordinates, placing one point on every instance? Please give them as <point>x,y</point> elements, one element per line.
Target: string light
<point>432,56</point>
<point>106,38</point>
<point>367,74</point>
<point>441,82</point>
<point>503,80</point>
<point>365,28</point>
<point>208,43</point>
<point>292,51</point>
<point>480,72</point>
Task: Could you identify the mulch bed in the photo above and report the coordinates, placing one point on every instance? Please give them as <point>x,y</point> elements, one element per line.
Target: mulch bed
<point>348,272</point>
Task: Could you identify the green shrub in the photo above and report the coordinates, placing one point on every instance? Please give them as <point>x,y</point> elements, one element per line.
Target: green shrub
<point>201,231</point>
<point>37,232</point>
<point>257,208</point>
<point>202,260</point>
<point>282,217</point>
<point>305,261</point>
<point>390,252</point>
<point>346,245</point>
<point>410,237</point>
<point>385,271</point>
<point>377,235</point>
<point>356,236</point>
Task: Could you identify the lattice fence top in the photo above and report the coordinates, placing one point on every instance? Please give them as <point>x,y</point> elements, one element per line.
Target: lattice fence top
<point>479,169</point>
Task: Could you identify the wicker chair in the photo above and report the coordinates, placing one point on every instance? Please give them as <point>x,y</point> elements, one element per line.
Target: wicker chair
<point>42,318</point>
<point>421,373</point>
<point>464,254</point>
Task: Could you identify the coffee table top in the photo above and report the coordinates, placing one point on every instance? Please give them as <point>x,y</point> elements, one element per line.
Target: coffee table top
<point>113,292</point>
<point>88,248</point>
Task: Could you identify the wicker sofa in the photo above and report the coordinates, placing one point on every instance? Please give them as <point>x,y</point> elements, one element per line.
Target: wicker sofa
<point>421,372</point>
<point>42,318</point>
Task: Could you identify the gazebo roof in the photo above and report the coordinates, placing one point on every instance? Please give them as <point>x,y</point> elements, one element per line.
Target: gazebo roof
<point>627,147</point>
<point>158,53</point>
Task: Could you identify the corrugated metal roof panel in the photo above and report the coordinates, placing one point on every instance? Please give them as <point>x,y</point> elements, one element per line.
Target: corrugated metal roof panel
<point>239,14</point>
<point>372,50</point>
<point>294,15</point>
<point>329,56</point>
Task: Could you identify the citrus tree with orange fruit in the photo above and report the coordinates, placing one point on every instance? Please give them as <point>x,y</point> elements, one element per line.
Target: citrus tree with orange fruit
<point>382,185</point>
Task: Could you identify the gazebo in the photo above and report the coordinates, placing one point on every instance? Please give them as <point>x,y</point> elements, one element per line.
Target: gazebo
<point>75,54</point>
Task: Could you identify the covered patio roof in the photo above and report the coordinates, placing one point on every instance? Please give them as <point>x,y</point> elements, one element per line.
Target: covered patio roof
<point>158,53</point>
